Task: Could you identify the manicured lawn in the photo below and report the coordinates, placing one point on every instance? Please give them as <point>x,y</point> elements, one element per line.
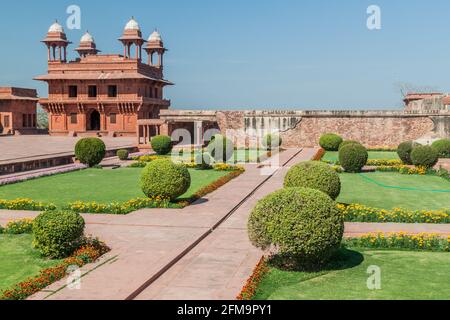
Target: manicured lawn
<point>394,190</point>
<point>19,260</point>
<point>373,155</point>
<point>404,275</point>
<point>102,186</point>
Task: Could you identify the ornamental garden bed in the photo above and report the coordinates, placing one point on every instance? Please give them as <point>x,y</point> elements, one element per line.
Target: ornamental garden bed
<point>347,278</point>
<point>103,191</point>
<point>389,190</point>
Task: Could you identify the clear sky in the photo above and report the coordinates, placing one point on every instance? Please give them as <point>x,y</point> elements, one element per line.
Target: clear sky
<point>248,54</point>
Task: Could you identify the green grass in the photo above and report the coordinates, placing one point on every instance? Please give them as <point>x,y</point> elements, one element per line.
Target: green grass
<point>357,188</point>
<point>404,275</point>
<point>102,186</point>
<point>373,155</point>
<point>19,260</point>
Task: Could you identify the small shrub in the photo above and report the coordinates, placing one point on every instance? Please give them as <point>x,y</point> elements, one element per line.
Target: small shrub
<point>424,156</point>
<point>330,142</point>
<point>303,224</point>
<point>353,157</point>
<point>442,147</point>
<point>165,179</point>
<point>404,151</point>
<point>315,175</point>
<point>221,148</point>
<point>162,145</point>
<point>272,141</point>
<point>204,161</point>
<point>58,233</point>
<point>347,142</point>
<point>90,151</point>
<point>123,154</point>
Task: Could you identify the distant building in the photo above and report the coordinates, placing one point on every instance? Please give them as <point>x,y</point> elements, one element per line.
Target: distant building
<point>426,102</point>
<point>104,94</point>
<point>17,110</point>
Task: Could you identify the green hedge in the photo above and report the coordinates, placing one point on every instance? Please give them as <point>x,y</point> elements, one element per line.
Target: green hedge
<point>90,151</point>
<point>330,142</point>
<point>304,224</point>
<point>442,147</point>
<point>272,141</point>
<point>404,151</point>
<point>162,145</point>
<point>221,148</point>
<point>58,233</point>
<point>347,142</point>
<point>424,156</point>
<point>123,154</point>
<point>353,157</point>
<point>315,175</point>
<point>164,179</point>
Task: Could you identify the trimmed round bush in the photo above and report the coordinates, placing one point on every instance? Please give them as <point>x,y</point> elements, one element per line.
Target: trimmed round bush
<point>442,147</point>
<point>303,224</point>
<point>204,161</point>
<point>57,234</point>
<point>315,175</point>
<point>330,142</point>
<point>123,154</point>
<point>353,157</point>
<point>347,142</point>
<point>404,151</point>
<point>90,151</point>
<point>221,148</point>
<point>162,145</point>
<point>272,141</point>
<point>424,156</point>
<point>163,178</point>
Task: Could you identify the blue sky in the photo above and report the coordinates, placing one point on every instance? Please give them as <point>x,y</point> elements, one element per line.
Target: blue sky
<point>266,54</point>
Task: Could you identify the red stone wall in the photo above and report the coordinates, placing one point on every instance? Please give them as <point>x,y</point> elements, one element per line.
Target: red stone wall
<point>383,129</point>
<point>372,132</point>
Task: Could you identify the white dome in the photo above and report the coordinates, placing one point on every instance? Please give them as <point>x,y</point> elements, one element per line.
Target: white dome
<point>87,38</point>
<point>132,25</point>
<point>155,36</point>
<point>56,27</point>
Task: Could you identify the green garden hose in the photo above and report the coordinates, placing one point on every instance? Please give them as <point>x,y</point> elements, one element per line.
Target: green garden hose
<point>401,188</point>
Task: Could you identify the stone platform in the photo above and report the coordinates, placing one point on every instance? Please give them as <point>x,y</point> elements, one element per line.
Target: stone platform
<point>25,153</point>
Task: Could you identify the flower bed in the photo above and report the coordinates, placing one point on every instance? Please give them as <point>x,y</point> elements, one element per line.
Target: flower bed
<point>249,290</point>
<point>85,255</point>
<point>400,240</point>
<point>120,207</point>
<point>25,204</point>
<point>89,252</point>
<point>361,213</point>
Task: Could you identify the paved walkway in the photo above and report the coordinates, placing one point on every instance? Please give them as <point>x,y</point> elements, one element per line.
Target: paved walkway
<point>16,148</point>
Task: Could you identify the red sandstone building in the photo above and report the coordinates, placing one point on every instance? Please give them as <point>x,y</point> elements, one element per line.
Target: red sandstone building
<point>17,110</point>
<point>104,94</point>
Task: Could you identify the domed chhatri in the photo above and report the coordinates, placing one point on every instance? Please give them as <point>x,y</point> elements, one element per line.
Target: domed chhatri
<point>155,46</point>
<point>132,35</point>
<point>56,42</point>
<point>56,27</point>
<point>132,25</point>
<point>87,37</point>
<point>155,37</point>
<point>87,46</point>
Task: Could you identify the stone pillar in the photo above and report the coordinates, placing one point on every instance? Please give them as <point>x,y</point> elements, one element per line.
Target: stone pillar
<point>198,133</point>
